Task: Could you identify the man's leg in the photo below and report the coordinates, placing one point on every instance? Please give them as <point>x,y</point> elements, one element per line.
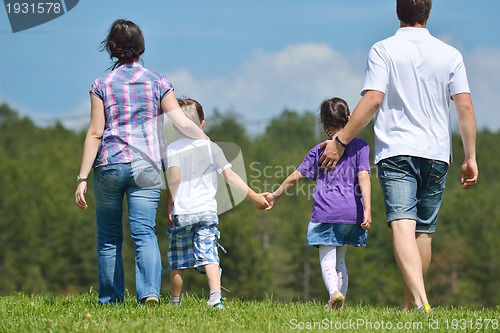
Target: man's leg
<point>424,244</point>
<point>408,258</point>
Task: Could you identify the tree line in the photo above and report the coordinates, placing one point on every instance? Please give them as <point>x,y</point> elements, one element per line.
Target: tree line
<point>47,245</point>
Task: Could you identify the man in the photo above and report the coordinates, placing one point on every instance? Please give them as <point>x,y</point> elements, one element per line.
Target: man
<point>408,82</point>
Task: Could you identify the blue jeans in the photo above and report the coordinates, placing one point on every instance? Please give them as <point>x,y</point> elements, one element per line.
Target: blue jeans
<point>111,183</point>
<point>413,189</point>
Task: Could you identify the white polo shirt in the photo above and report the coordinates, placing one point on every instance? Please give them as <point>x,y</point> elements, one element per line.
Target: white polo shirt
<point>199,162</point>
<point>418,74</point>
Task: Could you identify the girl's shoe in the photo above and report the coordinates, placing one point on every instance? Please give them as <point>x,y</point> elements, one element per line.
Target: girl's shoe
<point>336,301</point>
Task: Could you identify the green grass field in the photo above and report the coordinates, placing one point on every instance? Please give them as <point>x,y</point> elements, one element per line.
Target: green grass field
<point>80,313</point>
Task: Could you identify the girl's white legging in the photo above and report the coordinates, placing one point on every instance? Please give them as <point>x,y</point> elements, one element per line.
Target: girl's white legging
<point>333,268</point>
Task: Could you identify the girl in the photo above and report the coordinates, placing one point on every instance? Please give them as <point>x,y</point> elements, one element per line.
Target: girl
<point>341,212</point>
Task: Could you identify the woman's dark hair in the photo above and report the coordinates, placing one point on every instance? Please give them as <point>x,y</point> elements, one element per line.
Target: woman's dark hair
<point>124,42</point>
<point>412,12</point>
<point>334,113</point>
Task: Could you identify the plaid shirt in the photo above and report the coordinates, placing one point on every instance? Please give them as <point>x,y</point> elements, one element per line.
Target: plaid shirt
<point>131,95</point>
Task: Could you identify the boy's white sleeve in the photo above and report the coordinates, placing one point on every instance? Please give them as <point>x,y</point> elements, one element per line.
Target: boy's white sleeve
<point>219,159</point>
<point>173,158</point>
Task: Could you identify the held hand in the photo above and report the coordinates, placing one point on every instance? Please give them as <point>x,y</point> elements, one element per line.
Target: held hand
<point>271,200</point>
<point>80,201</point>
<point>331,155</point>
<point>260,200</point>
<point>468,173</point>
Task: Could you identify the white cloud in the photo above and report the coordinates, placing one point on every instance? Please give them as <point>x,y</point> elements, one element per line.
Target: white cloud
<point>77,120</point>
<point>80,117</point>
<point>483,70</point>
<point>298,77</point>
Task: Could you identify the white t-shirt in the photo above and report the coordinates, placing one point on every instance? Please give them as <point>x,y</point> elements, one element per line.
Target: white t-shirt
<point>418,74</point>
<point>199,162</point>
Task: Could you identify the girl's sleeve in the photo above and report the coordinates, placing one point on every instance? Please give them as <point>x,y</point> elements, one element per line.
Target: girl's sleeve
<point>363,156</point>
<point>309,166</point>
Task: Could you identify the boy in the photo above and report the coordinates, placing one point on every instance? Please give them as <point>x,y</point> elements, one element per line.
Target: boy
<point>192,208</point>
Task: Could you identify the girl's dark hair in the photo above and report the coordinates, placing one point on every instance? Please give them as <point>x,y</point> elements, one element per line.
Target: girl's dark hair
<point>124,42</point>
<point>192,109</point>
<point>334,113</point>
<point>413,11</point>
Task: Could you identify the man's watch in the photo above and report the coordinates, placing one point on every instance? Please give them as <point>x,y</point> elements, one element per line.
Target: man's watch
<point>341,143</point>
<point>80,179</point>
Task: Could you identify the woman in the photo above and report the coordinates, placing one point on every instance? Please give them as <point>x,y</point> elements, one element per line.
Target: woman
<point>124,145</point>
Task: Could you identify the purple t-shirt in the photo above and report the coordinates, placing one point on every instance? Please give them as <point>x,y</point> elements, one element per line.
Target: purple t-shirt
<point>337,196</point>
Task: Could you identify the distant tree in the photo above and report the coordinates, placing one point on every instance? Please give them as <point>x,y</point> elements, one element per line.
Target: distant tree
<point>47,245</point>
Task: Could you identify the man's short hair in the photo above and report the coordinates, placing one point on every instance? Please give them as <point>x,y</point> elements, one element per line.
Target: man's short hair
<point>413,12</point>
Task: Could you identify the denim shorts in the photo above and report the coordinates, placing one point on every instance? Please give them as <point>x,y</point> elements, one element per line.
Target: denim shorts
<point>413,189</point>
<point>335,234</point>
<point>193,241</point>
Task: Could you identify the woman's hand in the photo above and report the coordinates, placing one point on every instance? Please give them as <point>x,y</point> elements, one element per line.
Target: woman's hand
<point>80,201</point>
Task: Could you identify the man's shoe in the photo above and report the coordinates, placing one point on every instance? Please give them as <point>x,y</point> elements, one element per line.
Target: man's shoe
<point>426,308</point>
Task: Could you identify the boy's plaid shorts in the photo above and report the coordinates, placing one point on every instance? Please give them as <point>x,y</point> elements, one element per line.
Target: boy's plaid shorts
<point>193,240</point>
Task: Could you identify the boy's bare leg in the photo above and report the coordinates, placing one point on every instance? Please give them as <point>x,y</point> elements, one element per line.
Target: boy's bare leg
<point>213,276</point>
<point>176,280</point>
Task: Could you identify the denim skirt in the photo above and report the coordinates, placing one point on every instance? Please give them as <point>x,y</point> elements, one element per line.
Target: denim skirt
<point>335,234</point>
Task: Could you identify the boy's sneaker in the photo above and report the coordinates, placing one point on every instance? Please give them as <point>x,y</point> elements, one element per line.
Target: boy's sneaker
<point>150,301</point>
<point>176,301</point>
<point>217,305</point>
<point>336,301</point>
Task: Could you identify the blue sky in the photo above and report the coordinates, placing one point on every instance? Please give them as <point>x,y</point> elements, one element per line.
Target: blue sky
<point>255,58</point>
